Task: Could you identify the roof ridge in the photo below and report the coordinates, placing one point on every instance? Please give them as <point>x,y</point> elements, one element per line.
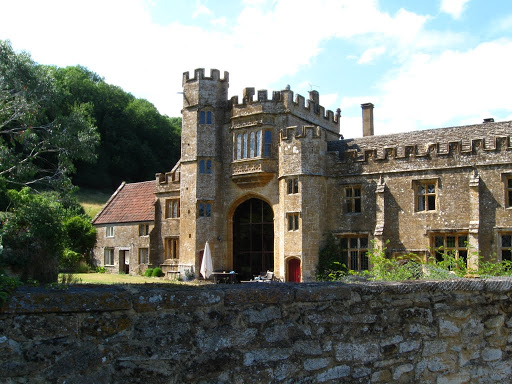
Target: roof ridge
<point>109,201</point>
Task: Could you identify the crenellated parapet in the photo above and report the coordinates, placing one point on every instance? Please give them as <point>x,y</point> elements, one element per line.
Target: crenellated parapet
<point>199,74</point>
<point>284,101</point>
<point>168,181</point>
<point>300,132</point>
<point>429,150</point>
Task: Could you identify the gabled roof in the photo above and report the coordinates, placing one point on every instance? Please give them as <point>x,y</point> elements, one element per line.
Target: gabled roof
<point>130,203</point>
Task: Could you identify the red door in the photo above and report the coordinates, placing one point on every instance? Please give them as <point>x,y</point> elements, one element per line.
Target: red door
<point>294,270</point>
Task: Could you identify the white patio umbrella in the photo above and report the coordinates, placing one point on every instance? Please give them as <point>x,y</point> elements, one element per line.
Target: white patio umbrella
<point>206,264</point>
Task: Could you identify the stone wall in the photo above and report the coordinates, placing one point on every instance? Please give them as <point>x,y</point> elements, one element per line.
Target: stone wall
<point>446,332</point>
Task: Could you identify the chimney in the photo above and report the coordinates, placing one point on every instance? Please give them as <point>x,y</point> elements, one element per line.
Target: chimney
<point>315,98</point>
<point>367,119</point>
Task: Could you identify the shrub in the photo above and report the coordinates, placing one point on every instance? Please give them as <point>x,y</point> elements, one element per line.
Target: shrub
<point>69,261</point>
<point>157,272</point>
<point>101,270</point>
<point>148,272</point>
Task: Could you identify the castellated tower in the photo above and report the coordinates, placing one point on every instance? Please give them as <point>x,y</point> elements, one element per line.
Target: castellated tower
<point>204,106</point>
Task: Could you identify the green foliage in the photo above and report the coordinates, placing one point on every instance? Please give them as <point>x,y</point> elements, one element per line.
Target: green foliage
<point>330,266</point>
<point>39,142</point>
<point>7,285</point>
<point>148,272</point>
<point>157,272</point>
<point>407,267</point>
<point>100,269</point>
<point>136,140</point>
<point>33,235</point>
<point>80,235</point>
<point>69,260</point>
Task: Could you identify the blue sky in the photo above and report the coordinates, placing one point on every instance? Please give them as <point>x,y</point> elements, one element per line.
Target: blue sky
<point>424,64</point>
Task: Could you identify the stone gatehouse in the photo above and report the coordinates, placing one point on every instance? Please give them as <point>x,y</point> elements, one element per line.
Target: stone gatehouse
<point>263,179</point>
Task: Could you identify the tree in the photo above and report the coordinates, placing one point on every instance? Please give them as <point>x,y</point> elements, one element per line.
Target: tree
<point>38,141</point>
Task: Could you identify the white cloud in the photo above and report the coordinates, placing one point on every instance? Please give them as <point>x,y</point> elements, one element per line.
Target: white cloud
<point>430,91</point>
<point>201,10</point>
<point>371,54</point>
<point>221,21</point>
<point>454,7</point>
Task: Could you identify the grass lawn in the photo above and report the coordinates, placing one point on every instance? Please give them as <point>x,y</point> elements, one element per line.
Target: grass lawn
<point>92,200</point>
<point>112,278</point>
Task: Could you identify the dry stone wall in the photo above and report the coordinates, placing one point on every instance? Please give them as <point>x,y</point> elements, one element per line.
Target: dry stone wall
<point>429,332</point>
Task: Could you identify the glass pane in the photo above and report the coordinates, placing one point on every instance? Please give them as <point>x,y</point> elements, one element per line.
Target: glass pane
<point>296,221</point>
<point>239,146</point>
<point>421,203</point>
<point>290,222</point>
<point>290,187</point>
<point>357,192</point>
<point>431,203</point>
<point>450,241</point>
<point>201,166</point>
<point>268,144</point>
<point>506,254</point>
<point>201,210</point>
<point>348,206</point>
<point>251,154</point>
<point>208,210</point>
<point>202,117</point>
<point>209,117</point>
<point>357,205</point>
<point>463,240</point>
<point>353,242</point>
<point>354,260</point>
<point>343,243</point>
<point>363,243</point>
<point>295,185</point>
<point>431,188</point>
<point>268,214</point>
<point>364,262</point>
<point>421,189</point>
<point>244,151</point>
<point>208,166</point>
<point>438,241</point>
<point>348,192</point>
<point>506,241</point>
<point>509,182</point>
<point>258,141</point>
<point>256,238</point>
<point>463,255</point>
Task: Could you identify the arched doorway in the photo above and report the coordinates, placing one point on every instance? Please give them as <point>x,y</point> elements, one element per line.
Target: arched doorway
<point>293,269</point>
<point>253,238</point>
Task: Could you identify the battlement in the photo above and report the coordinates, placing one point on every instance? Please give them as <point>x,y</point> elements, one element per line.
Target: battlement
<point>426,150</point>
<point>172,177</point>
<point>199,75</point>
<point>307,109</point>
<point>296,132</point>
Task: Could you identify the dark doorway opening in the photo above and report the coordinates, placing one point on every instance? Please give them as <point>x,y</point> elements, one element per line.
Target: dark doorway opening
<point>253,238</point>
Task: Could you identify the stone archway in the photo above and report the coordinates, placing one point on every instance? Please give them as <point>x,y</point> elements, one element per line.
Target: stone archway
<point>253,238</point>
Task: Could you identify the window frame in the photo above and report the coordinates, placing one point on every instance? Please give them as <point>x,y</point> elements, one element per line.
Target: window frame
<point>144,259</point>
<point>457,248</point>
<point>172,208</point>
<point>423,198</point>
<point>292,186</point>
<point>111,256</point>
<point>357,251</point>
<point>508,248</point>
<point>508,190</point>
<point>292,221</point>
<point>109,231</point>
<point>143,229</point>
<point>204,209</point>
<point>172,248</point>
<point>250,144</point>
<point>353,203</point>
<point>205,117</point>
<point>205,167</point>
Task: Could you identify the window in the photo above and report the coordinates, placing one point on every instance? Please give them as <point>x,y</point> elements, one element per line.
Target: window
<point>109,256</point>
<point>508,191</point>
<point>353,199</point>
<point>143,229</point>
<point>425,196</point>
<point>455,244</point>
<point>506,246</point>
<point>267,144</point>
<point>353,252</point>
<point>172,248</point>
<point>143,255</point>
<point>293,221</point>
<point>244,147</point>
<point>109,231</point>
<point>252,149</point>
<point>247,145</point>
<point>172,208</point>
<point>205,117</point>
<point>205,166</point>
<point>293,185</point>
<point>205,209</point>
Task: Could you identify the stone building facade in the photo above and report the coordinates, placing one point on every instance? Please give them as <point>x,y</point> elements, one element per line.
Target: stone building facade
<point>263,179</point>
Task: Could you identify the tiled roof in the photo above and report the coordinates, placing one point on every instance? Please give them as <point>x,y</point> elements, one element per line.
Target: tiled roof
<point>130,203</point>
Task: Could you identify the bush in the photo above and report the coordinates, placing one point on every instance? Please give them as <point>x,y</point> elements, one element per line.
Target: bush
<point>100,270</point>
<point>157,272</point>
<point>69,261</point>
<point>148,272</point>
